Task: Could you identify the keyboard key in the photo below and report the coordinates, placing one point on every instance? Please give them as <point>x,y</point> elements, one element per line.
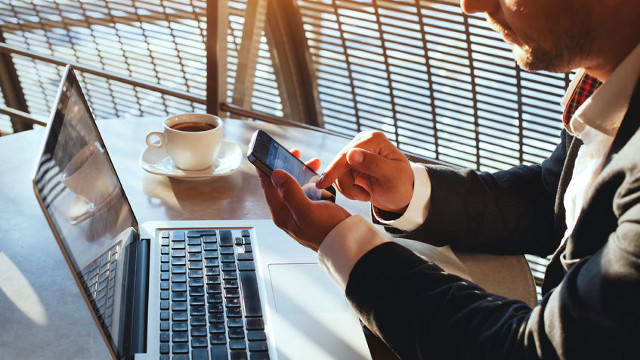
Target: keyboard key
<point>238,241</point>
<point>258,346</point>
<point>211,263</point>
<point>197,311</point>
<point>199,233</point>
<point>179,296</point>
<point>246,266</point>
<point>214,289</point>
<point>214,298</point>
<point>217,328</point>
<point>236,333</point>
<point>226,238</point>
<point>216,317</point>
<point>230,275</point>
<point>232,302</point>
<point>238,355</point>
<point>164,326</point>
<point>231,293</point>
<point>164,348</point>
<point>256,335</point>
<point>178,269</point>
<point>234,323</point>
<point>164,285</point>
<point>179,316</point>
<point>248,248</point>
<point>195,265</point>
<point>207,246</point>
<point>227,258</point>
<point>195,257</point>
<point>245,233</point>
<point>164,336</point>
<point>226,251</point>
<point>164,258</point>
<point>179,278</point>
<point>177,235</point>
<point>196,282</point>
<point>195,273</point>
<point>228,266</point>
<point>213,279</point>
<point>194,248</point>
<point>180,337</point>
<point>181,348</point>
<point>237,345</point>
<point>209,239</point>
<point>245,256</point>
<point>164,250</point>
<point>178,287</point>
<point>164,267</point>
<point>199,354</point>
<point>164,276</point>
<point>199,342</point>
<point>217,339</point>
<point>198,320</point>
<point>210,254</point>
<point>197,300</point>
<point>177,245</point>
<point>178,261</point>
<point>234,312</point>
<point>196,291</point>
<point>179,306</point>
<point>199,331</point>
<point>193,241</point>
<point>178,253</point>
<point>255,324</point>
<point>215,307</point>
<point>231,284</point>
<point>219,352</point>
<point>259,356</point>
<point>179,326</point>
<point>250,295</point>
<point>164,315</point>
<point>212,271</point>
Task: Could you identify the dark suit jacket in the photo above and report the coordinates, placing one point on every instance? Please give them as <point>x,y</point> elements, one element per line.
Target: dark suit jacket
<point>591,294</point>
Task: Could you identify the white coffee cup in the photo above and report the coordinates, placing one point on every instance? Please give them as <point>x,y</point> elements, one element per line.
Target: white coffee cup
<point>191,140</point>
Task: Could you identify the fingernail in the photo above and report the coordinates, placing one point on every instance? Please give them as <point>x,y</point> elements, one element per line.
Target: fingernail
<point>320,178</point>
<point>356,156</point>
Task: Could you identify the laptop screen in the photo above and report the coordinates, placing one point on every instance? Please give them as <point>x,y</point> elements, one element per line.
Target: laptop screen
<point>87,208</point>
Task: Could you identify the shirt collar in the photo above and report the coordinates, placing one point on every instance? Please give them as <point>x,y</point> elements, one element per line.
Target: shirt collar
<point>605,109</point>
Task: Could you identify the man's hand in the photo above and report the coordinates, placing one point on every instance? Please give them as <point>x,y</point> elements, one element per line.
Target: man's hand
<point>371,168</point>
<point>307,221</point>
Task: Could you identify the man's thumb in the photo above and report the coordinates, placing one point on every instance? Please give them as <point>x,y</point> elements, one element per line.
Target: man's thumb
<point>289,190</point>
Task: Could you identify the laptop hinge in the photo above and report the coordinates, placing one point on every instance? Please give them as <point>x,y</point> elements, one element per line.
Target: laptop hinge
<point>138,293</point>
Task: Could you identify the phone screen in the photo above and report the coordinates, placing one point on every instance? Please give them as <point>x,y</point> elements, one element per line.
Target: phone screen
<point>267,155</point>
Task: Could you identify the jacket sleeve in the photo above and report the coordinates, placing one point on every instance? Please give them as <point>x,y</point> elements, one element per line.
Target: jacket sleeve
<point>422,312</point>
<point>503,212</point>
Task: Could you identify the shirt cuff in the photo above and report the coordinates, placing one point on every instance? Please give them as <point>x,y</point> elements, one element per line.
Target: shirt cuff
<point>345,245</point>
<point>418,208</point>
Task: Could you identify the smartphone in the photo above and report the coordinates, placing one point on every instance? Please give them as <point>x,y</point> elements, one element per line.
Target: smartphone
<point>267,155</point>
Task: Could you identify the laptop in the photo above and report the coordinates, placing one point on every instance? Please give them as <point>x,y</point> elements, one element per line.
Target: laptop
<point>239,289</point>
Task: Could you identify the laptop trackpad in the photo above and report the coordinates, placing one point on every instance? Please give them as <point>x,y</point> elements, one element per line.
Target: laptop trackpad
<point>304,289</point>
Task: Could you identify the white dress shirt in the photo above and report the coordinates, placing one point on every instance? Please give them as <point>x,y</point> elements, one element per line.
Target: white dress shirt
<point>595,122</point>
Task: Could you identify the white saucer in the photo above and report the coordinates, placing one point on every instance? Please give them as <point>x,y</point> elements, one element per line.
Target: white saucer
<point>157,162</point>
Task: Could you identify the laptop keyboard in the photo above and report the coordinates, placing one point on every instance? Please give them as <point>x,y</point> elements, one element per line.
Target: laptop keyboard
<point>209,302</point>
<point>99,277</point>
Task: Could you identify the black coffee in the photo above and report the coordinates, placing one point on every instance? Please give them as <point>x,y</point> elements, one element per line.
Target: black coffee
<point>192,126</point>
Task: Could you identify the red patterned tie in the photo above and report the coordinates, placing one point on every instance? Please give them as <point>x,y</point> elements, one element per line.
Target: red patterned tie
<point>586,87</point>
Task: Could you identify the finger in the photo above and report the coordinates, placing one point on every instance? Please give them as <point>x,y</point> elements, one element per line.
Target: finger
<point>347,186</point>
<point>277,207</point>
<point>336,168</point>
<point>314,164</point>
<point>295,152</point>
<point>291,193</point>
<point>370,163</point>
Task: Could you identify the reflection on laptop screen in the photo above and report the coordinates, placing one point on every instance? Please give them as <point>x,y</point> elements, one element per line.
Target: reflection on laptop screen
<point>84,202</point>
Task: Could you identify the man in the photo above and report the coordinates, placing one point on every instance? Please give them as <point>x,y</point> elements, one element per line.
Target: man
<point>582,204</point>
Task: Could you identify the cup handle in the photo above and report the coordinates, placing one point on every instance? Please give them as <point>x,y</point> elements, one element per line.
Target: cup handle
<point>155,140</point>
